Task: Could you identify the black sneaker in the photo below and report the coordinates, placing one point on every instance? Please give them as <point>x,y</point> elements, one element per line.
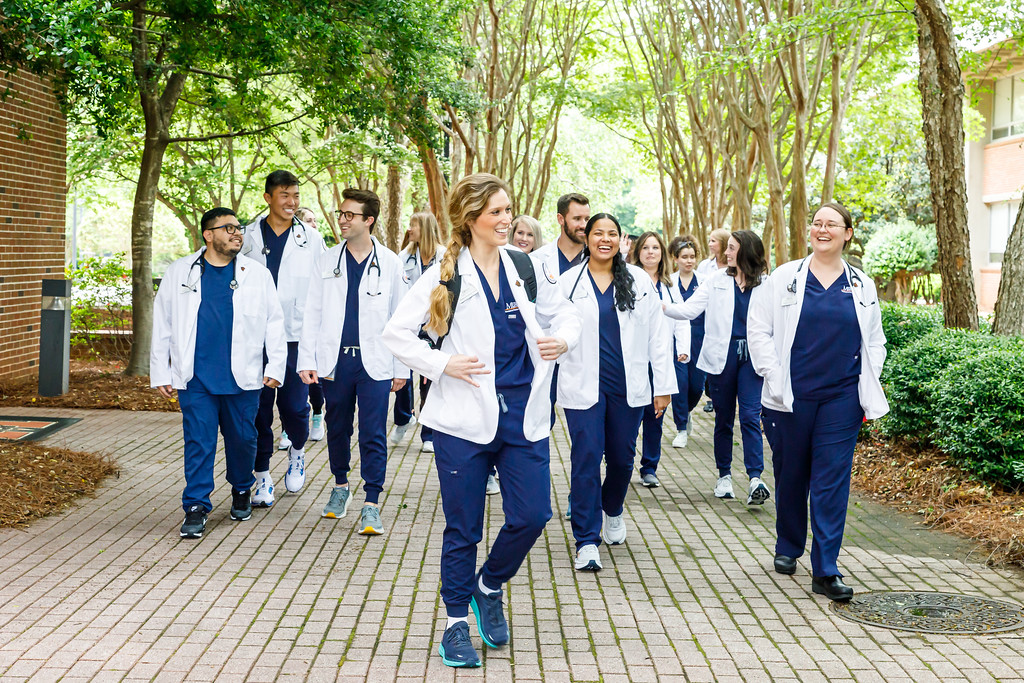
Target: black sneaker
<point>241,506</point>
<point>195,522</point>
<point>708,407</point>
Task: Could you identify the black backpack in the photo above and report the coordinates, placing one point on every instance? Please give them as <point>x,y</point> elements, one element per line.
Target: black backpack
<point>525,269</point>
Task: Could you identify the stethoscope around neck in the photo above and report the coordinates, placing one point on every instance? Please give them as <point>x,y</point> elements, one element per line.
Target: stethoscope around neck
<point>298,230</point>
<point>201,262</point>
<point>851,275</point>
<point>374,264</point>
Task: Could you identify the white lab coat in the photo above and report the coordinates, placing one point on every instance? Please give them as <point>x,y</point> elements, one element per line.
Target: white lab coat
<point>677,331</point>
<point>644,341</point>
<point>707,268</point>
<point>413,265</point>
<point>303,245</point>
<point>771,327</point>
<point>454,406</point>
<point>545,260</point>
<point>715,297</point>
<point>257,322</point>
<point>381,287</point>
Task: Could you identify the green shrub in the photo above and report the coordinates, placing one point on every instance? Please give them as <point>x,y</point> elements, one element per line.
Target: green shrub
<point>101,305</point>
<point>904,324</point>
<point>909,376</point>
<point>899,251</point>
<point>979,416</point>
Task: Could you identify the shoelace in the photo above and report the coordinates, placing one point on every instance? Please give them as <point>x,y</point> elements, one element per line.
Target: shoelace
<point>460,636</point>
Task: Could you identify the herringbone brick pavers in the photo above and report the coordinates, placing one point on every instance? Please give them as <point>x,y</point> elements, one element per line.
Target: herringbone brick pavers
<point>107,590</point>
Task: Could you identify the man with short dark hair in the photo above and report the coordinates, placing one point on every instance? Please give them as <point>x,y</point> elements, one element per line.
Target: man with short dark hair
<point>212,353</point>
<point>288,248</point>
<point>354,289</point>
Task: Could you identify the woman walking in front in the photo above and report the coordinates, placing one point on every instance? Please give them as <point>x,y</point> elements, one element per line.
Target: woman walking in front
<point>724,298</point>
<point>490,361</point>
<point>604,383</point>
<point>816,337</point>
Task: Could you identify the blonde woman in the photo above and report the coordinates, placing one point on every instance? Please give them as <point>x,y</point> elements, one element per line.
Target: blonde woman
<point>718,240</point>
<point>421,248</point>
<point>492,350</point>
<point>525,234</point>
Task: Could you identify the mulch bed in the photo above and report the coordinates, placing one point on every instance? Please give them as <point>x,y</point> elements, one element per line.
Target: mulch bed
<point>92,384</point>
<point>924,481</point>
<point>36,481</point>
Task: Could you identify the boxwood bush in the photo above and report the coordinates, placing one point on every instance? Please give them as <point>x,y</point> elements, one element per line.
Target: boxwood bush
<point>979,417</point>
<point>904,324</point>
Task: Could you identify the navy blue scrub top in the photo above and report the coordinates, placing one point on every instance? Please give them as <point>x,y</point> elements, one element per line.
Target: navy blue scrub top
<point>741,302</point>
<point>697,324</point>
<point>354,273</point>
<point>275,243</point>
<point>512,365</point>
<point>212,366</point>
<point>612,367</point>
<point>825,359</point>
<point>565,264</point>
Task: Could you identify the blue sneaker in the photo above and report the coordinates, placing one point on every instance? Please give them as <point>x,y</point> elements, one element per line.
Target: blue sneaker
<point>456,649</point>
<point>490,617</point>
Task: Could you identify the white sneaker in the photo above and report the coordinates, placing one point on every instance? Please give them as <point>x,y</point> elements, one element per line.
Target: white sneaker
<point>588,559</point>
<point>398,433</point>
<point>263,490</point>
<point>316,427</point>
<point>758,492</point>
<point>680,440</point>
<point>296,475</point>
<point>723,489</point>
<point>614,532</point>
<point>427,447</point>
<point>492,485</point>
<point>285,443</point>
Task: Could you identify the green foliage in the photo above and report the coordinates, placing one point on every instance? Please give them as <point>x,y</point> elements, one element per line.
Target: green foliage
<point>904,324</point>
<point>900,247</point>
<point>101,308</point>
<point>979,415</point>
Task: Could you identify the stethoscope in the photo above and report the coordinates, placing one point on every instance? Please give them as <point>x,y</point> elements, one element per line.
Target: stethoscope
<point>851,275</point>
<point>374,264</point>
<point>298,230</point>
<point>201,262</point>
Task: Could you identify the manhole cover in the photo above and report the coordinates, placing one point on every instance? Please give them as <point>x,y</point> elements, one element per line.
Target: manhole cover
<point>932,612</point>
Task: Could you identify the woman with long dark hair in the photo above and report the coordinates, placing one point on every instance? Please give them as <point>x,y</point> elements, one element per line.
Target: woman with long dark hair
<point>724,299</point>
<point>604,383</point>
<point>816,337</point>
<point>492,347</point>
<point>649,253</point>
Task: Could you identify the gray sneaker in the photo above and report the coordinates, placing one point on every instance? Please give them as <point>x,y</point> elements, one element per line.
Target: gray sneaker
<point>370,523</point>
<point>337,506</point>
<point>650,480</point>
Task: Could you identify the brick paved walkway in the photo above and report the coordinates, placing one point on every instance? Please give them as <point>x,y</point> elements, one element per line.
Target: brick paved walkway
<point>107,591</point>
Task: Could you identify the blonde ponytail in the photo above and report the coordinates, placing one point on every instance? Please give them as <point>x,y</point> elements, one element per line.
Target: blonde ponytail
<point>466,202</point>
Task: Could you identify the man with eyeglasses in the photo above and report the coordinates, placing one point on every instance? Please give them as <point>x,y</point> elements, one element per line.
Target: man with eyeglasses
<point>354,289</point>
<point>215,360</point>
<point>288,248</point>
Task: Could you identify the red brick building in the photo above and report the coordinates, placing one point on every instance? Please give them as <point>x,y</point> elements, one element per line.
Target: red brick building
<point>32,210</point>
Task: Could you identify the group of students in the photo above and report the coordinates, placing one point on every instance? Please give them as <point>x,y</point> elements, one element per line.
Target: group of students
<point>500,327</point>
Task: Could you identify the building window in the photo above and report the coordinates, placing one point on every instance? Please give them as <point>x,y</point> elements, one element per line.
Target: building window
<point>1001,218</point>
<point>1008,108</point>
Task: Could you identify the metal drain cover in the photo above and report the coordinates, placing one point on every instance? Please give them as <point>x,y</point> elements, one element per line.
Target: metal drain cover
<point>932,612</point>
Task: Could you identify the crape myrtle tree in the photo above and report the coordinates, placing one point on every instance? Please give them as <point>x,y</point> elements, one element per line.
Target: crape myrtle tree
<point>138,65</point>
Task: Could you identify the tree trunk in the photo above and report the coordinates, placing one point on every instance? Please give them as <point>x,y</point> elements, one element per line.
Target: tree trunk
<point>1009,316</point>
<point>942,94</point>
<point>392,227</point>
<point>436,190</point>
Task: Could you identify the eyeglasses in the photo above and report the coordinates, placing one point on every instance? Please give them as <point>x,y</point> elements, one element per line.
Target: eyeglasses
<point>348,215</point>
<point>830,226</point>
<point>230,228</point>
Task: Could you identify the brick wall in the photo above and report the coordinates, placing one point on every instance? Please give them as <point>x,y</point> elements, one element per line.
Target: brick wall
<point>1004,167</point>
<point>32,209</point>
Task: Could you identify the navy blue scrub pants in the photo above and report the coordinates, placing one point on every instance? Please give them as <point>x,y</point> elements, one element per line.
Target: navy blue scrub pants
<point>372,397</point>
<point>426,433</point>
<point>403,404</point>
<point>608,428</point>
<point>652,425</point>
<point>201,415</point>
<point>738,383</point>
<point>812,453</point>
<point>292,403</point>
<point>462,469</point>
<point>691,385</point>
<point>316,397</point>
